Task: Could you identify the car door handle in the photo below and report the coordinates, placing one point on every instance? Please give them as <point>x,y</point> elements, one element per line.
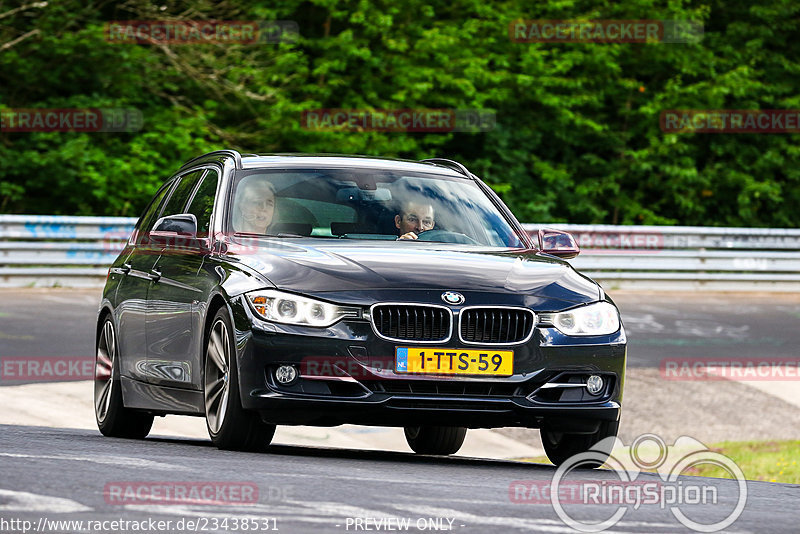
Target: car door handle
<point>126,268</point>
<point>155,275</point>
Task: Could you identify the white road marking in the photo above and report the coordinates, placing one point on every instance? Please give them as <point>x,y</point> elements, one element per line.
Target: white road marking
<point>22,501</point>
<point>75,299</point>
<point>117,461</point>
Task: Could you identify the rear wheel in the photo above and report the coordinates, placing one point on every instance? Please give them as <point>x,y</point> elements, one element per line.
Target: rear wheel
<point>229,425</point>
<point>560,446</point>
<point>113,419</point>
<point>440,440</point>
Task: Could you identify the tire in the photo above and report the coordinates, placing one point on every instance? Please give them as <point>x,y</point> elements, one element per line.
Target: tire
<point>439,440</point>
<point>113,419</point>
<point>229,426</point>
<point>560,446</point>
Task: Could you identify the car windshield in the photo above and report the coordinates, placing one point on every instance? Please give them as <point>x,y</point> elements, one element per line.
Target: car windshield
<point>366,204</point>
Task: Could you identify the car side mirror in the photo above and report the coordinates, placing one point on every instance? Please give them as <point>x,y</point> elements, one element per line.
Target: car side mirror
<point>558,243</point>
<point>176,230</point>
<point>184,224</point>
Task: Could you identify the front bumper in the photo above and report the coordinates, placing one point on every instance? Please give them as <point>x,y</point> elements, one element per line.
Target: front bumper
<point>364,389</point>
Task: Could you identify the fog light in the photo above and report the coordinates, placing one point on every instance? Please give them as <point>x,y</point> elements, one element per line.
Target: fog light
<point>595,384</point>
<point>285,374</point>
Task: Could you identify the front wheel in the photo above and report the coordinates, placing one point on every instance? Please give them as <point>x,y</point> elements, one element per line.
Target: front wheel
<point>440,440</point>
<point>229,425</point>
<point>560,446</point>
<point>113,418</point>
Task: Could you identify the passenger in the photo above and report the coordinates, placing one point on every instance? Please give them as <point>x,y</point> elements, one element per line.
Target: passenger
<point>414,218</point>
<point>254,206</point>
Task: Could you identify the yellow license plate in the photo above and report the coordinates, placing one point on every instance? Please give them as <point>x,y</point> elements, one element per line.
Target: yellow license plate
<point>423,360</point>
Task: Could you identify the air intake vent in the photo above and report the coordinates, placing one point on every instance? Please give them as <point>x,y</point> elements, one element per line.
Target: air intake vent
<point>496,325</point>
<point>409,322</point>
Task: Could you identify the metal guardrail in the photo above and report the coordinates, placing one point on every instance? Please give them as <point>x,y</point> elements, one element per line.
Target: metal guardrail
<point>76,251</point>
<point>687,257</point>
<point>677,237</point>
<point>47,250</point>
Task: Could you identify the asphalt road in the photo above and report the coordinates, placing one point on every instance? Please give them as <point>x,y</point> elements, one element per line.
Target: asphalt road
<point>71,475</point>
<point>60,474</point>
<point>60,322</point>
<point>715,325</point>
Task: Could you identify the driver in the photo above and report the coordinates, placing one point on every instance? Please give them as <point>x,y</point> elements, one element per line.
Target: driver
<point>414,218</point>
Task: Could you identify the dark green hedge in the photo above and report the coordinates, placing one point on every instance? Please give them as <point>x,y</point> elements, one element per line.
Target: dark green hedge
<point>577,137</point>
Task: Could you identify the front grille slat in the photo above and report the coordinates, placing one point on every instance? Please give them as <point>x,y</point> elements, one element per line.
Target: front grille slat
<point>495,325</point>
<point>516,323</point>
<point>412,322</point>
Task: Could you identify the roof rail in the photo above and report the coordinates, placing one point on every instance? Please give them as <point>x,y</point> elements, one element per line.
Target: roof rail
<point>456,166</point>
<point>237,158</point>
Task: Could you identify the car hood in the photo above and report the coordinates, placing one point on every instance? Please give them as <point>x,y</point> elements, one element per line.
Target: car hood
<point>317,266</point>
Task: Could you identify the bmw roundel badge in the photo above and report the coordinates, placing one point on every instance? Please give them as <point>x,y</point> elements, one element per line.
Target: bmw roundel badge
<point>451,297</point>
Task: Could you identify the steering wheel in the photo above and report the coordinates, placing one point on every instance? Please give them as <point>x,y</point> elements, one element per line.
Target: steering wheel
<point>445,236</point>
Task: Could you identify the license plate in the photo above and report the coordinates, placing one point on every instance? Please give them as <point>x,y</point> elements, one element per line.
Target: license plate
<point>423,360</point>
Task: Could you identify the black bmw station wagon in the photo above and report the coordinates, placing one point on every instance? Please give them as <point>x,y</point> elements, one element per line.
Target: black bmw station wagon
<point>264,290</point>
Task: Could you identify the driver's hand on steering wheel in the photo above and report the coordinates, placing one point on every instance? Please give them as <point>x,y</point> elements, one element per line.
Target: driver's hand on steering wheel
<point>409,235</point>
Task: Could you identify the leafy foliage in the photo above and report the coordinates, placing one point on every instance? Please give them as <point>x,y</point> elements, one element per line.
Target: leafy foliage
<point>577,137</point>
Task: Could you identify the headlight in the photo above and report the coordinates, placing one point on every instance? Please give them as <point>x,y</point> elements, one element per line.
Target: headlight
<point>287,308</point>
<point>596,319</point>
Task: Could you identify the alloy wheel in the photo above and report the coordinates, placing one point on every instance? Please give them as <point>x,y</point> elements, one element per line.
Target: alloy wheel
<point>104,371</point>
<point>217,376</point>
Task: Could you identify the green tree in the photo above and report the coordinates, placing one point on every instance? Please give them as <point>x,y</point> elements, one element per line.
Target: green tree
<point>577,137</point>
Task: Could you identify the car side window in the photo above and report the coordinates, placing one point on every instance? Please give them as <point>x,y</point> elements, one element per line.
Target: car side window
<point>151,214</point>
<point>180,195</point>
<point>202,204</point>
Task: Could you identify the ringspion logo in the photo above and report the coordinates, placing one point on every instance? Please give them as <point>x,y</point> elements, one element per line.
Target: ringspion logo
<point>695,503</point>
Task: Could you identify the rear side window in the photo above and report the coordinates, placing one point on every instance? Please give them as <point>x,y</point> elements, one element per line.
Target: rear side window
<point>151,214</point>
<point>202,204</point>
<point>180,195</point>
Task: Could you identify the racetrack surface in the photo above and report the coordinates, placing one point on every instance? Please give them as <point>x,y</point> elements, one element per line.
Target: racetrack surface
<point>60,473</point>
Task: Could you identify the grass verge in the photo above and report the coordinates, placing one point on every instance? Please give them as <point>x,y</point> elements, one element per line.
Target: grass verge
<point>770,461</point>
